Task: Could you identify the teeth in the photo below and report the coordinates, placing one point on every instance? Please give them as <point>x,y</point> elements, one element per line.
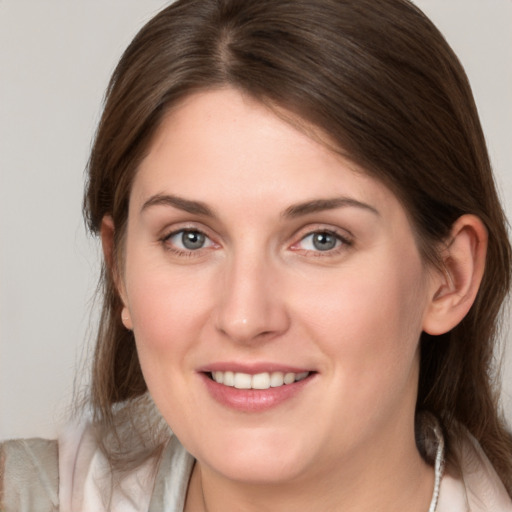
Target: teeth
<point>276,379</point>
<point>289,378</point>
<point>301,376</point>
<point>243,381</point>
<point>259,381</point>
<point>228,379</point>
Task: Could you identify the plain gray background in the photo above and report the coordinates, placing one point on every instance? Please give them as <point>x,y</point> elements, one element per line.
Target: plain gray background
<point>55,60</point>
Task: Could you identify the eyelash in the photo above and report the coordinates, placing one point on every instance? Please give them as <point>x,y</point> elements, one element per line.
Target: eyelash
<point>343,243</point>
<point>165,240</point>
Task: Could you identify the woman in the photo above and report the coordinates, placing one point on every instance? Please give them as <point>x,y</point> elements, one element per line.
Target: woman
<point>305,259</point>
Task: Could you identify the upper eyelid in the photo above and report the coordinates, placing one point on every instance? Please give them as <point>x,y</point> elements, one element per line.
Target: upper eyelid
<point>172,230</point>
<point>175,232</point>
<point>330,232</point>
<point>345,241</point>
<point>342,233</point>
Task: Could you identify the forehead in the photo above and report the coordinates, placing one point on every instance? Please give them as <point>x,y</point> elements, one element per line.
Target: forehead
<point>220,146</point>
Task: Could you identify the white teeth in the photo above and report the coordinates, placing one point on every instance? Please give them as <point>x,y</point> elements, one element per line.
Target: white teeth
<point>276,379</point>
<point>229,378</point>
<point>263,380</point>
<point>301,376</point>
<point>289,378</point>
<point>243,381</point>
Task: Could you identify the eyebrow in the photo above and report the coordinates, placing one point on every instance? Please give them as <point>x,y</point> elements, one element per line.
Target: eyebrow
<point>193,207</point>
<point>297,210</point>
<point>318,205</point>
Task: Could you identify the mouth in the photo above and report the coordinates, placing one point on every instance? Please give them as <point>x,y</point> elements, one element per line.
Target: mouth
<point>256,387</point>
<point>259,381</point>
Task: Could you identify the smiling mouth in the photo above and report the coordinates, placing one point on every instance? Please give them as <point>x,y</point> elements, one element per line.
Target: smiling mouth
<point>263,380</point>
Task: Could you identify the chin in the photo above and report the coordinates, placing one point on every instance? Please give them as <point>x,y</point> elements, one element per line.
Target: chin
<point>259,471</point>
<point>256,461</point>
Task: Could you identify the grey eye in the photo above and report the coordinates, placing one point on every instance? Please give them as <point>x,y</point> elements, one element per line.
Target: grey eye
<point>192,240</point>
<point>321,241</point>
<point>188,240</point>
<point>324,241</point>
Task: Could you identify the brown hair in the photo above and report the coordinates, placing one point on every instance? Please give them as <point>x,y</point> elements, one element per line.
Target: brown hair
<point>380,79</point>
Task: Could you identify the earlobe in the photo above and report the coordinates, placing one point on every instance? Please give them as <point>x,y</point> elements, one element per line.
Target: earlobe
<point>455,287</point>
<point>126,319</point>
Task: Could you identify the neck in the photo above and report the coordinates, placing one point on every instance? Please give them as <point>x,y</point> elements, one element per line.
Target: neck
<point>376,480</point>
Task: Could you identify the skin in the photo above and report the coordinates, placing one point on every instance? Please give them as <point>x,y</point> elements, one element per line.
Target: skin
<point>260,291</point>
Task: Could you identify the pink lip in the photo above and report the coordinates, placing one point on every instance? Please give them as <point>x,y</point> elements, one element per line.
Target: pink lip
<point>253,400</point>
<point>251,369</point>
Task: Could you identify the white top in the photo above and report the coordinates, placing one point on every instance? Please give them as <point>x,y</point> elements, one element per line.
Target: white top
<point>83,468</point>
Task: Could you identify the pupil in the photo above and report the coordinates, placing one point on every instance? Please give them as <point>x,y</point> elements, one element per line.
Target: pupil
<point>324,241</point>
<point>192,240</point>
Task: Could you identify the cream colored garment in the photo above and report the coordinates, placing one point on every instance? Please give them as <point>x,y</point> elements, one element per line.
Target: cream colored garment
<point>85,479</point>
<point>478,490</point>
<point>28,475</point>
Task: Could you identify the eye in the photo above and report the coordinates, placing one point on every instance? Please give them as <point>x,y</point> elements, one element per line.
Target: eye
<point>321,241</point>
<point>188,240</point>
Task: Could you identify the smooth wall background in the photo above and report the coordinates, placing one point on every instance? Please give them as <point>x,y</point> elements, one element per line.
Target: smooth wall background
<point>56,57</point>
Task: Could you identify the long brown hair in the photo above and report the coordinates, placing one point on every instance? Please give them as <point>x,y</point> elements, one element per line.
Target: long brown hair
<point>382,82</point>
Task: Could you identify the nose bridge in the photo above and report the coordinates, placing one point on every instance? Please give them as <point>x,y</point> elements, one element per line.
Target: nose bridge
<point>251,306</point>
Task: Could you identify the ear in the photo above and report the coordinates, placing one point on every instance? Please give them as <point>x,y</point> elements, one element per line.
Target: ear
<point>107,231</point>
<point>455,287</point>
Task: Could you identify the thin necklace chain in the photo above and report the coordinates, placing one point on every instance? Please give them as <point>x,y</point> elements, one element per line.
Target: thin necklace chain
<point>439,468</point>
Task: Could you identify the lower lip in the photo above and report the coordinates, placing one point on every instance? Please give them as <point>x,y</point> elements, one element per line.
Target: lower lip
<point>253,400</point>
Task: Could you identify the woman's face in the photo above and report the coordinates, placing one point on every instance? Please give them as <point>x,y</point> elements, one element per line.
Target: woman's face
<point>257,257</point>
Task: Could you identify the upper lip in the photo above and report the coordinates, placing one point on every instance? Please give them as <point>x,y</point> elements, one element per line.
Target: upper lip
<point>252,368</point>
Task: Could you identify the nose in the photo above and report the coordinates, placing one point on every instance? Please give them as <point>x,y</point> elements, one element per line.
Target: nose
<point>251,308</point>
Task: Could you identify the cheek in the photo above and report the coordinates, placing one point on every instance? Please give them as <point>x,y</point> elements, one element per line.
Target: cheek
<point>164,322</point>
<point>167,308</point>
<point>167,317</point>
<point>368,319</point>
<point>368,326</point>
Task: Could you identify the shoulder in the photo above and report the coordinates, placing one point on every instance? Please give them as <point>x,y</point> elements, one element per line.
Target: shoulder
<point>172,479</point>
<point>75,473</point>
<point>29,465</point>
<point>90,482</point>
<point>484,489</point>
<point>474,485</point>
